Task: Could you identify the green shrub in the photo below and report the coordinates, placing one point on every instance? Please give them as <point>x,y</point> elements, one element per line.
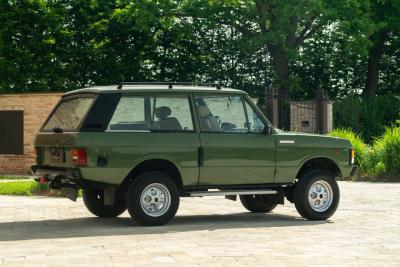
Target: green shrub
<point>367,117</point>
<point>358,144</point>
<point>389,147</point>
<point>383,158</point>
<point>373,163</point>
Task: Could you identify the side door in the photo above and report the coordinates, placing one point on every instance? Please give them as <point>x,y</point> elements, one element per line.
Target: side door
<point>149,127</point>
<point>234,148</point>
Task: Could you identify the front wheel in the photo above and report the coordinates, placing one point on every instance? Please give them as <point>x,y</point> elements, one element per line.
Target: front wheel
<point>316,195</point>
<point>152,199</point>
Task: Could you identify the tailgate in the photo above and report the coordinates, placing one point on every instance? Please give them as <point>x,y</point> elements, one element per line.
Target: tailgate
<point>54,149</point>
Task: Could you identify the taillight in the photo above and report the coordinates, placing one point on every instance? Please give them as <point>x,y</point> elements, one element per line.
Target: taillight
<point>352,156</point>
<point>79,156</point>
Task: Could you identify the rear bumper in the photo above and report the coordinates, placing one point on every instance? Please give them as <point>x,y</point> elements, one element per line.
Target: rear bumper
<point>52,172</point>
<point>63,177</point>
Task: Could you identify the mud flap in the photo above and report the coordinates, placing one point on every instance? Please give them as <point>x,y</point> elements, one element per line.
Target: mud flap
<point>231,197</point>
<point>109,195</point>
<point>71,193</point>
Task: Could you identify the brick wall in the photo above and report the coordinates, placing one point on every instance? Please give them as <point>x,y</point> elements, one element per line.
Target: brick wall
<point>36,108</point>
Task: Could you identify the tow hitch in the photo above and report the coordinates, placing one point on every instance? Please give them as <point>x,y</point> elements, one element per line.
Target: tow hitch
<point>70,190</point>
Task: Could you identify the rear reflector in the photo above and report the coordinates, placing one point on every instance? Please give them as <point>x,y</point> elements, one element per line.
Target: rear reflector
<point>79,156</point>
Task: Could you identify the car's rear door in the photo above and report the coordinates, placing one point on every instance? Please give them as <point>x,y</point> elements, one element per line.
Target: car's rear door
<point>146,127</point>
<point>234,150</point>
<point>59,133</point>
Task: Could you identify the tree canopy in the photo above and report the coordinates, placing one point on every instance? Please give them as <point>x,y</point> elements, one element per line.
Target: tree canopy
<point>342,46</point>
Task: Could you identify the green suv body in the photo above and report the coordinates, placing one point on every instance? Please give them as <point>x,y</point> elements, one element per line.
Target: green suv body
<point>143,146</point>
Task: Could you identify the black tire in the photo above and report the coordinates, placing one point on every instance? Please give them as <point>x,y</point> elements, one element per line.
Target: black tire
<point>138,214</point>
<point>301,194</point>
<point>257,203</point>
<point>93,199</point>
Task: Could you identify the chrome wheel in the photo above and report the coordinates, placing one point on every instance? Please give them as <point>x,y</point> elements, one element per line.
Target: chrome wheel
<point>320,196</point>
<point>155,199</point>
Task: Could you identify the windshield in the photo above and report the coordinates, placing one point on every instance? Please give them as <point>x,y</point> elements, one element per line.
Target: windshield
<point>69,114</point>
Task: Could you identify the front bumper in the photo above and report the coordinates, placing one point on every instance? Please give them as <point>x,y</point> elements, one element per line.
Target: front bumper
<point>354,171</point>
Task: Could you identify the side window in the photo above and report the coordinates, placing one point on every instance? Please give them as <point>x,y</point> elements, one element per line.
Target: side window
<point>171,114</point>
<point>255,123</point>
<point>129,115</point>
<point>221,114</point>
<point>152,113</point>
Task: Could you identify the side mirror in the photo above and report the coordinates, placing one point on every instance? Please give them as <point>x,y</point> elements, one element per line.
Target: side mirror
<point>267,129</point>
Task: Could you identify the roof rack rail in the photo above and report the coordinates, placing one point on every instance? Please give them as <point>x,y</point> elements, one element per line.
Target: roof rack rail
<point>170,84</point>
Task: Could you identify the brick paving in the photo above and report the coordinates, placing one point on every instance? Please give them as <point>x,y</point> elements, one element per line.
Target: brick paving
<point>212,231</point>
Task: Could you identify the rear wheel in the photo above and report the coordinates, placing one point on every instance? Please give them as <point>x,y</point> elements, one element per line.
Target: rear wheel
<point>257,203</point>
<point>153,199</point>
<point>316,195</point>
<point>94,199</point>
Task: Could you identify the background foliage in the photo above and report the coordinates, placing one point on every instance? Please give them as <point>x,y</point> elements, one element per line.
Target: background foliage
<point>381,159</point>
<point>351,49</point>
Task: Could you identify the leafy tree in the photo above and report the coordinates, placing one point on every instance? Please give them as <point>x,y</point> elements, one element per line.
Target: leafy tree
<point>27,57</point>
<point>385,17</point>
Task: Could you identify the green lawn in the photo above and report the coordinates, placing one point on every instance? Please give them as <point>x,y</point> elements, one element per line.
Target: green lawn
<point>8,177</point>
<point>20,188</point>
<point>27,188</point>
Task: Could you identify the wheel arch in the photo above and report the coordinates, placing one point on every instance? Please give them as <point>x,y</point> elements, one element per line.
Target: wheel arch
<point>319,163</point>
<point>155,164</point>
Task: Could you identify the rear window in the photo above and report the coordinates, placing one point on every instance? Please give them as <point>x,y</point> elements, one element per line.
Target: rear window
<point>69,113</point>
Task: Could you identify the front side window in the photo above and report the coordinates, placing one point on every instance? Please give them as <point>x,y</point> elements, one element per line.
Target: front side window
<point>221,114</point>
<point>69,114</point>
<point>152,113</point>
<point>256,125</point>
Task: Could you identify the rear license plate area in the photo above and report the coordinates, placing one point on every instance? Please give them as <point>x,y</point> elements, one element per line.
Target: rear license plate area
<point>56,154</point>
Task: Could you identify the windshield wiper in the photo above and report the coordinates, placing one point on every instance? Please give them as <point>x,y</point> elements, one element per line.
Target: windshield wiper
<point>58,130</point>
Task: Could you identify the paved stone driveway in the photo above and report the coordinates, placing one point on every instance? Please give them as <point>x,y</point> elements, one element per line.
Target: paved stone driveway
<point>212,231</point>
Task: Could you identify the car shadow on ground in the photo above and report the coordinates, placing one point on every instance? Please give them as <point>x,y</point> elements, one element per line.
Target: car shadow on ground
<point>92,226</point>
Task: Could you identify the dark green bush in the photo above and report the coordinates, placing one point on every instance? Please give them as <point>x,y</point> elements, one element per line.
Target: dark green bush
<point>368,118</point>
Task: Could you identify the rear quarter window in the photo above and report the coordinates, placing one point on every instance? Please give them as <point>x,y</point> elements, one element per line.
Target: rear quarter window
<point>69,113</point>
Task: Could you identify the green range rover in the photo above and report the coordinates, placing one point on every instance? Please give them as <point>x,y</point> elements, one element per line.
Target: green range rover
<point>142,146</point>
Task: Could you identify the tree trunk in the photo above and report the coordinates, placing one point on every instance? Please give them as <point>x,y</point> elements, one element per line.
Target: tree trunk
<point>374,58</point>
<point>281,66</point>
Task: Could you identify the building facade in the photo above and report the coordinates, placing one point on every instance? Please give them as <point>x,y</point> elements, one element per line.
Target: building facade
<point>21,116</point>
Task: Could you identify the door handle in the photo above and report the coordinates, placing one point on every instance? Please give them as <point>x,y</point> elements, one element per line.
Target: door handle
<point>200,158</point>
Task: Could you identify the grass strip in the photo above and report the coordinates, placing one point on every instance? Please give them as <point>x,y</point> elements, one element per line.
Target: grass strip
<point>18,188</point>
<point>29,188</point>
<point>9,177</point>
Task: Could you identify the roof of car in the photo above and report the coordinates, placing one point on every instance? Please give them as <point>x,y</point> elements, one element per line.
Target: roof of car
<point>155,88</point>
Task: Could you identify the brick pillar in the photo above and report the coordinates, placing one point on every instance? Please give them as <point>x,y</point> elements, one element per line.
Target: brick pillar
<point>271,105</point>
